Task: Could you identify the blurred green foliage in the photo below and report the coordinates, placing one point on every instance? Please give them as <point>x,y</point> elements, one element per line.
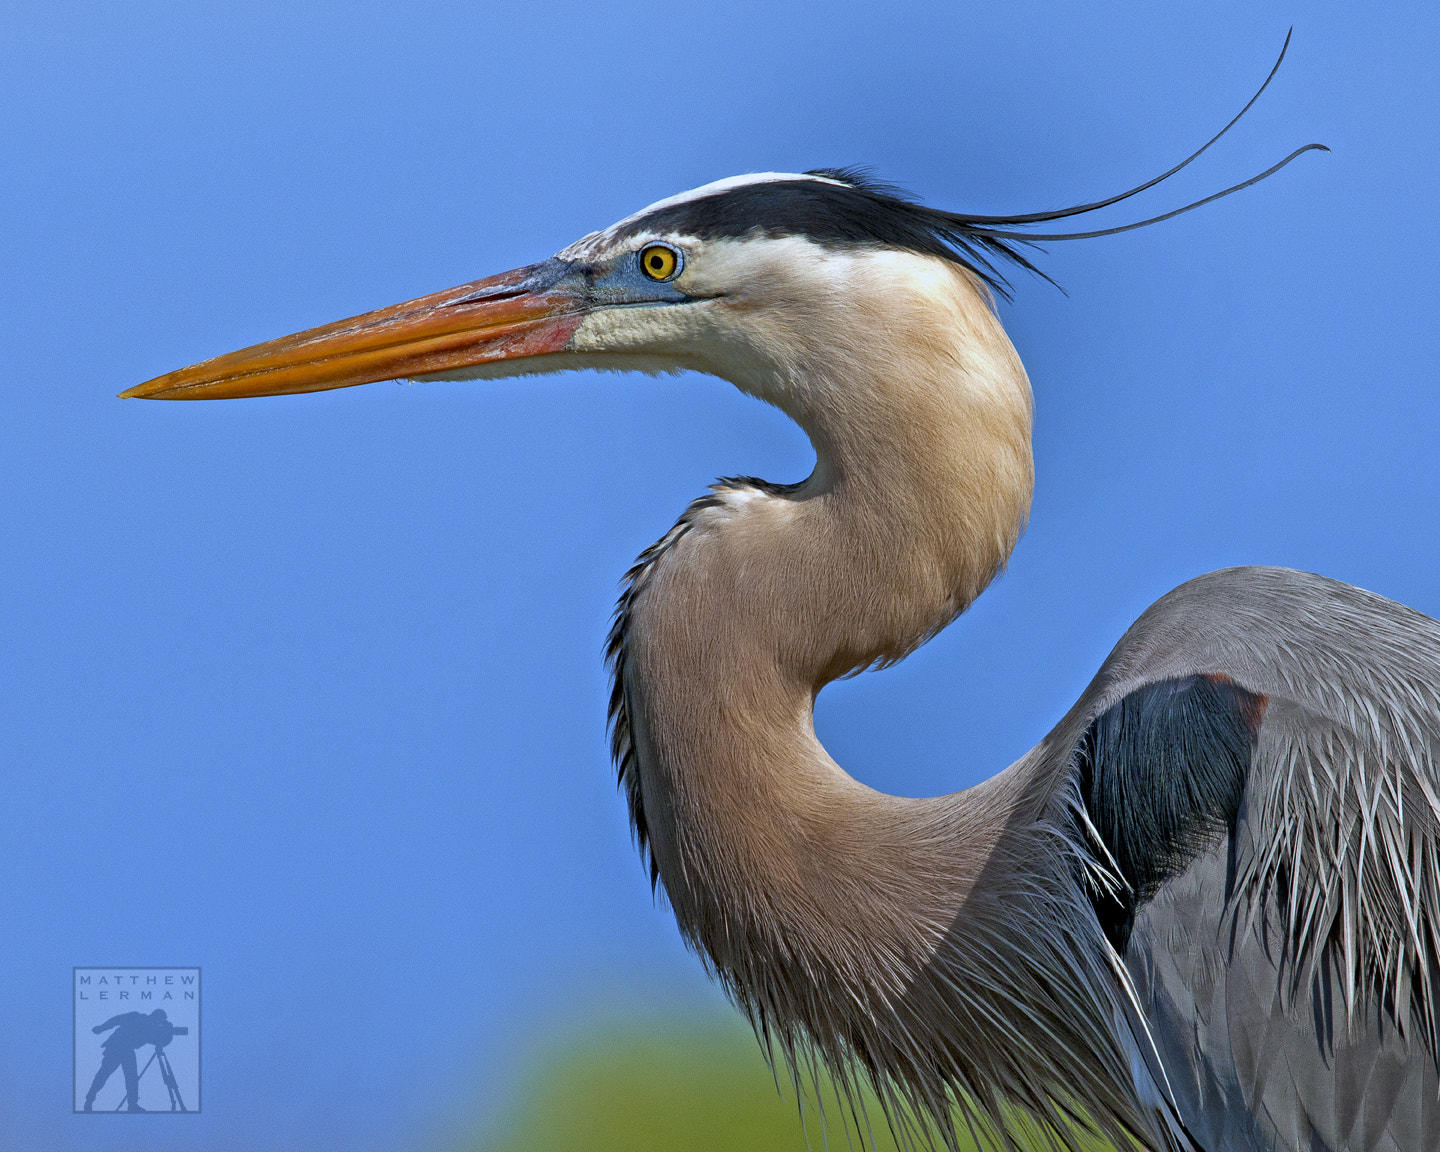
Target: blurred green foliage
<point>702,1087</point>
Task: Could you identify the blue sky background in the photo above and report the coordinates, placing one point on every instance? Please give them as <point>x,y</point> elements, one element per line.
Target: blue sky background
<point>308,691</point>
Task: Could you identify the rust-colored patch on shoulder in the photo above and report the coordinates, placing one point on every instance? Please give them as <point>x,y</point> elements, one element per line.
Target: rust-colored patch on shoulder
<point>1250,705</point>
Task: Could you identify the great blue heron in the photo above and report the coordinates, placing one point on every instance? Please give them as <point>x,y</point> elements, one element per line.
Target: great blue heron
<point>1203,913</point>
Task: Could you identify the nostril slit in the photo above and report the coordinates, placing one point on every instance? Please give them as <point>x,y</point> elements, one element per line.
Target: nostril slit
<point>507,293</point>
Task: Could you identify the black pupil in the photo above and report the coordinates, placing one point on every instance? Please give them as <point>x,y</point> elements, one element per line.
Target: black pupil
<point>656,262</point>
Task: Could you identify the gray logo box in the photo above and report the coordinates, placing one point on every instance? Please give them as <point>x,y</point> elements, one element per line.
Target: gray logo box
<point>136,1039</point>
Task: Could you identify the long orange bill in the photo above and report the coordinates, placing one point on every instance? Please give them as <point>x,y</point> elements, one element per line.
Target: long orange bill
<point>525,312</point>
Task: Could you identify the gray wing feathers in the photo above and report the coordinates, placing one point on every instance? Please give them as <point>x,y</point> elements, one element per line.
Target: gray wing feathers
<point>1254,1067</point>
<point>1290,976</point>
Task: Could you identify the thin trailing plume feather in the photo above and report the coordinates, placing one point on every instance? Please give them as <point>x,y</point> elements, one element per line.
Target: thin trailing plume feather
<point>985,243</point>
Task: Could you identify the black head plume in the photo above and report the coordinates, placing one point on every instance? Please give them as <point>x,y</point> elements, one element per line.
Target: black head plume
<point>985,244</point>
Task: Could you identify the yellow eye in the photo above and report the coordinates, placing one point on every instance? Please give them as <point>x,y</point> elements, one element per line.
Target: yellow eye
<point>660,262</point>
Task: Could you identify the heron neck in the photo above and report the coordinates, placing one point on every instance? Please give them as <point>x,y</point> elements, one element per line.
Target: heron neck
<point>761,596</point>
<point>934,942</point>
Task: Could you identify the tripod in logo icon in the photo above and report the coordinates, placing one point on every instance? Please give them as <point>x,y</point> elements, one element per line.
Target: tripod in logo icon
<point>132,1030</point>
<point>167,1074</point>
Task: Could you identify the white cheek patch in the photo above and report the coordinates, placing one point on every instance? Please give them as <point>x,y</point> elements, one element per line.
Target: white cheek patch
<point>636,329</point>
<point>649,340</point>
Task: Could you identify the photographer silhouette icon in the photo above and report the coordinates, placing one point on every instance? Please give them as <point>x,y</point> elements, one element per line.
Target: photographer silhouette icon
<point>134,1030</point>
<point>103,1000</point>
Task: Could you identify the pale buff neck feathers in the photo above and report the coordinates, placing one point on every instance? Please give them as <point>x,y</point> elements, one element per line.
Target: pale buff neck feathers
<point>919,411</point>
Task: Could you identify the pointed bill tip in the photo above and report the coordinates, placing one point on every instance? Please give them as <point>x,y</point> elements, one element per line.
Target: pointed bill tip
<point>499,318</point>
<point>150,390</point>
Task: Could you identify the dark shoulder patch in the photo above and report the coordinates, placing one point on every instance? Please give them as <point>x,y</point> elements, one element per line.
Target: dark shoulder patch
<point>1162,774</point>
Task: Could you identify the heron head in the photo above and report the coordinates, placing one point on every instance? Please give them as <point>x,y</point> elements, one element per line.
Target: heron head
<point>743,278</point>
